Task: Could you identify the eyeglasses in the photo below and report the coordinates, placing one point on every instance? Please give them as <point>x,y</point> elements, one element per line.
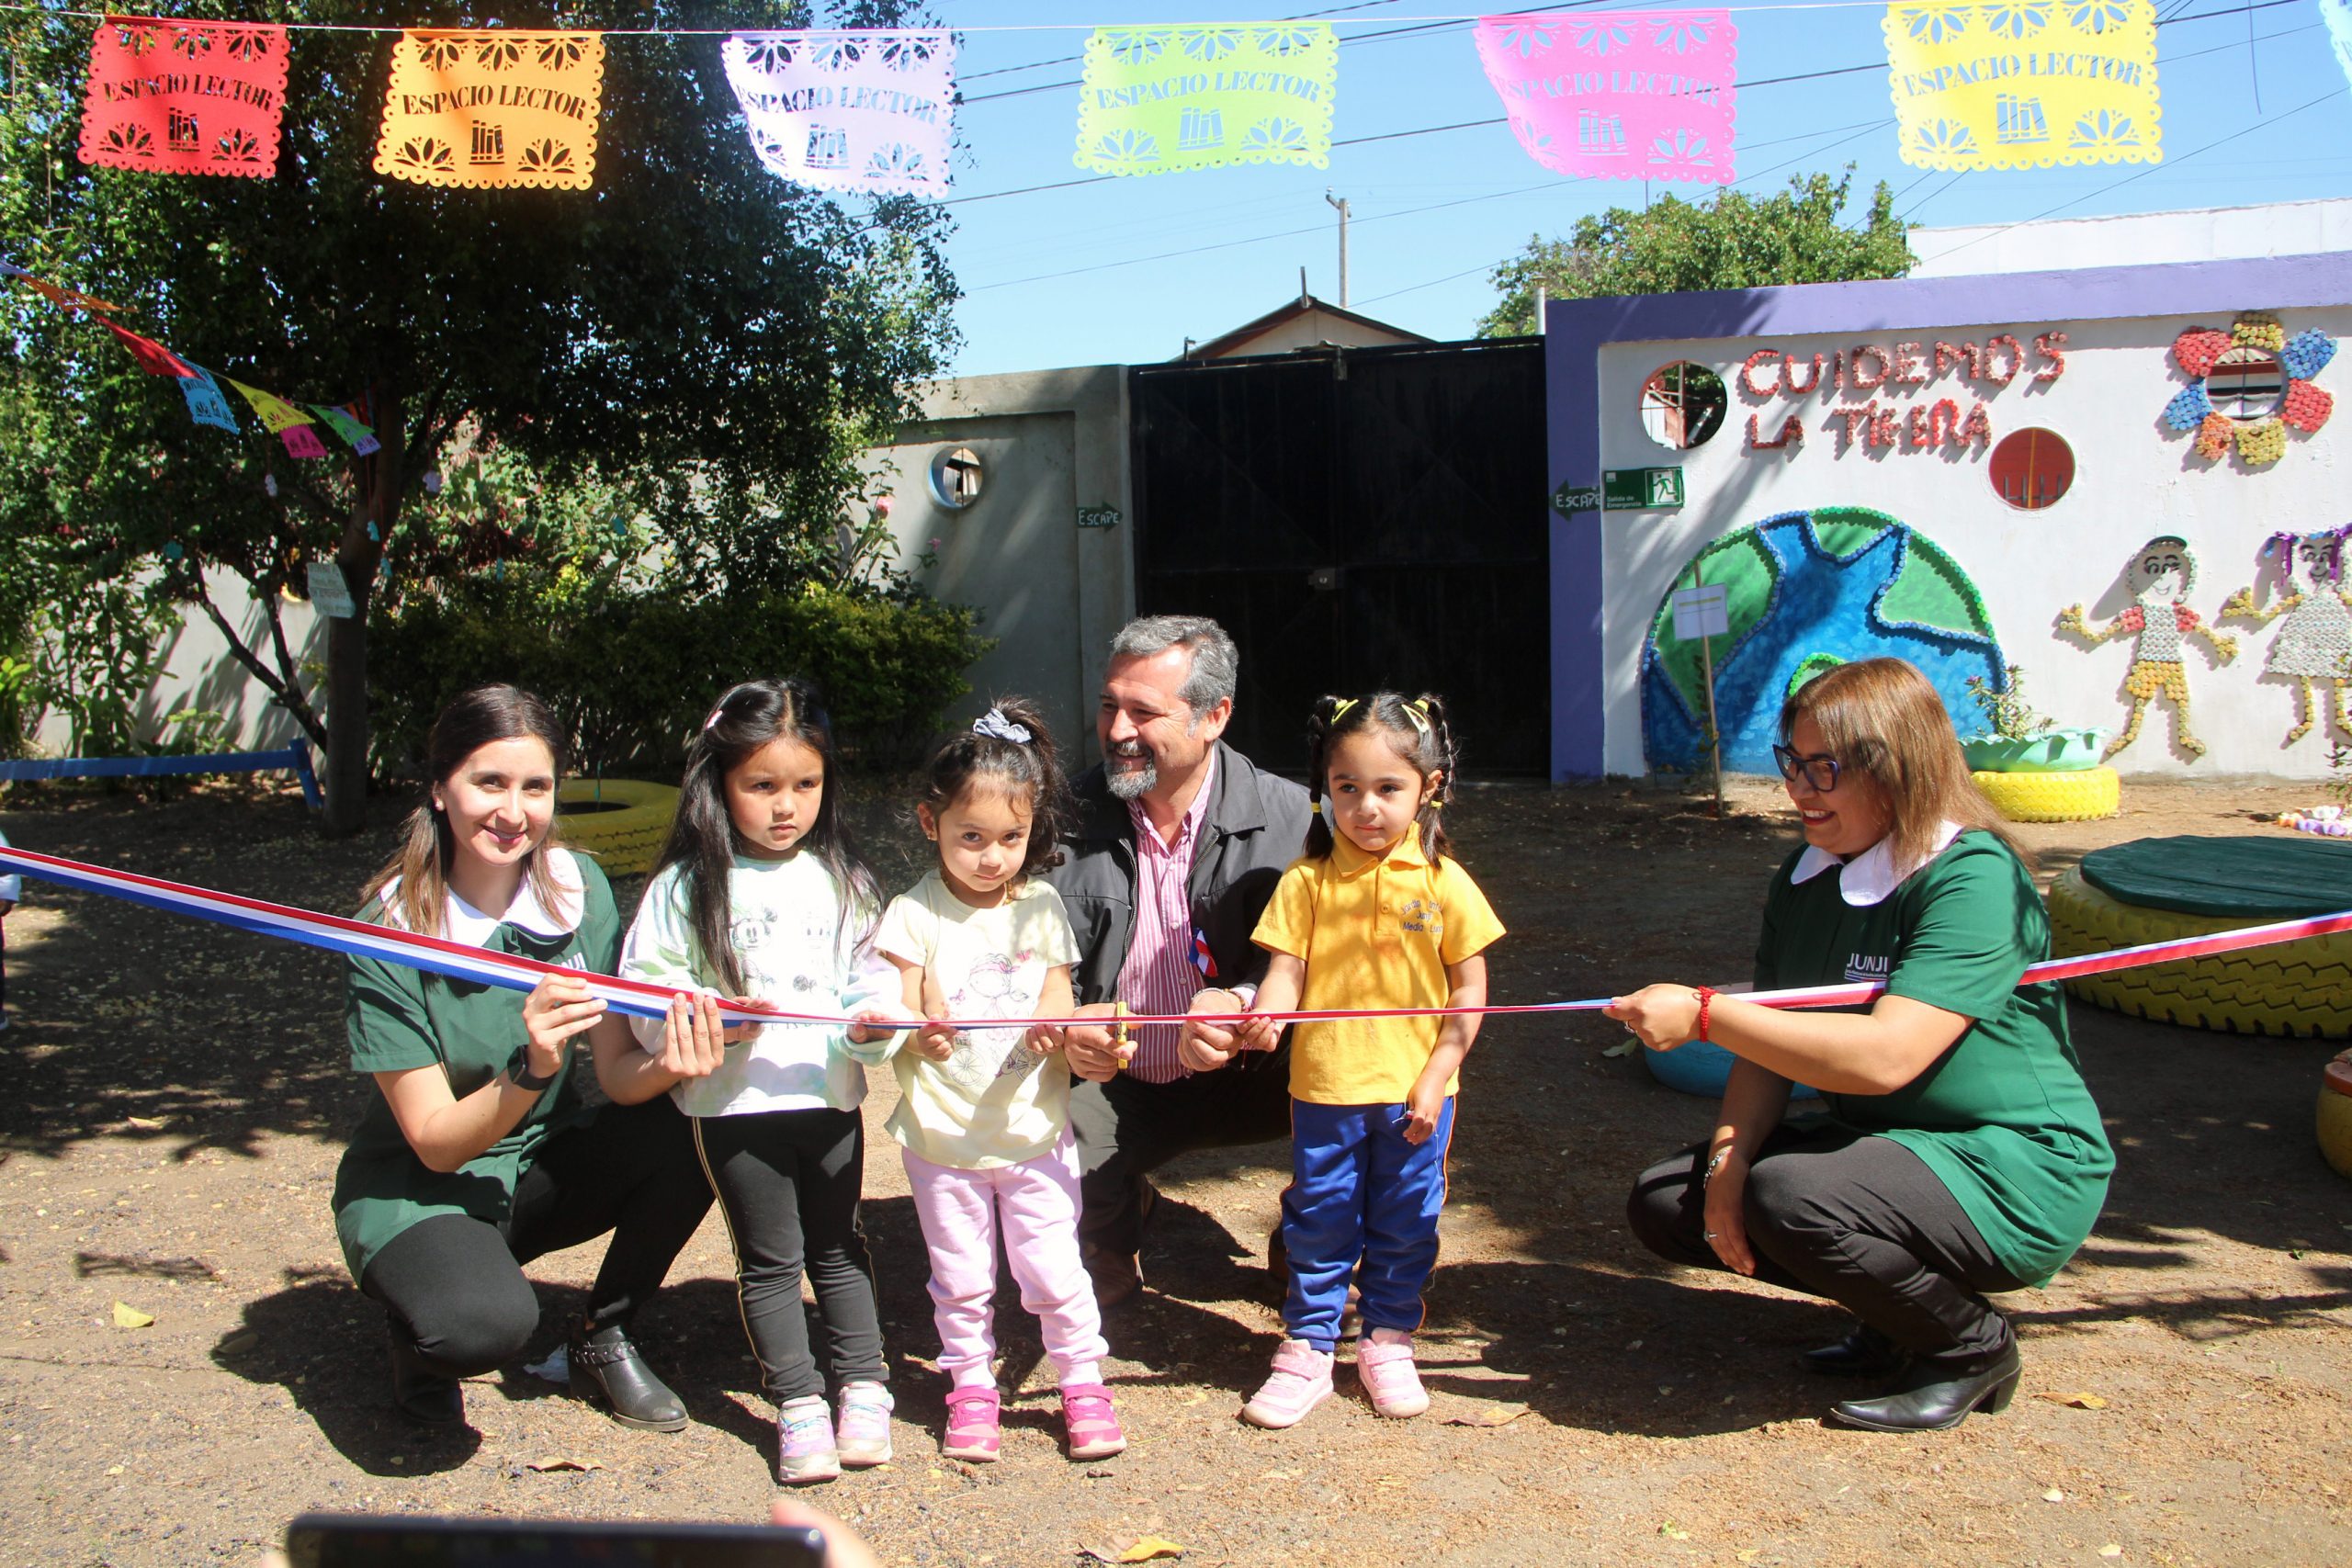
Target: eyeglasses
<point>1821,772</point>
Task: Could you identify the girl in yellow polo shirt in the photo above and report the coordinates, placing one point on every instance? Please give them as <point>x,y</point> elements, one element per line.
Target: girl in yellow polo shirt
<point>1374,915</point>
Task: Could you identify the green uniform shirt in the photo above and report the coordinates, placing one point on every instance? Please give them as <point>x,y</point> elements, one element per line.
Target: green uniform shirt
<point>402,1017</point>
<point>2003,1118</point>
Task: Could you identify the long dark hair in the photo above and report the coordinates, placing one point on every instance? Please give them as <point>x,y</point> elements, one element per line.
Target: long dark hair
<point>702,838</point>
<point>482,717</point>
<point>1415,728</point>
<point>1030,767</point>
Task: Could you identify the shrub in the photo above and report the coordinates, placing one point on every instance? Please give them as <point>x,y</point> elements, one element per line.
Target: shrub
<point>630,669</point>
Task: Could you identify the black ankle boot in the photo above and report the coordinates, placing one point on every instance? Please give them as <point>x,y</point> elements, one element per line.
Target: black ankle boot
<point>424,1396</point>
<point>1864,1353</point>
<point>1937,1393</point>
<point>605,1365</point>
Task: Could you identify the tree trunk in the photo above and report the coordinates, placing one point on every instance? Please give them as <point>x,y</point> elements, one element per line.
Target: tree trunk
<point>361,551</point>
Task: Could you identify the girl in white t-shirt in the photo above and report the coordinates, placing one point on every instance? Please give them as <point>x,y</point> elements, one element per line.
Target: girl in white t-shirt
<point>984,1113</point>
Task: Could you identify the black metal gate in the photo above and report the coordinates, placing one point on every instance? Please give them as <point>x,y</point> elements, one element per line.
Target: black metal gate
<point>1357,518</point>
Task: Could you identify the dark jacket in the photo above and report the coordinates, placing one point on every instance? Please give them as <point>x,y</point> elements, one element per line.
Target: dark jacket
<point>1256,825</point>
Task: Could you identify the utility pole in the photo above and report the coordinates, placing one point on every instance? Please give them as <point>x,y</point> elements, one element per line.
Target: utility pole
<point>1341,203</point>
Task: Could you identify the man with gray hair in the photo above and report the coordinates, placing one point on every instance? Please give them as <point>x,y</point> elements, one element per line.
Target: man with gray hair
<point>1178,845</point>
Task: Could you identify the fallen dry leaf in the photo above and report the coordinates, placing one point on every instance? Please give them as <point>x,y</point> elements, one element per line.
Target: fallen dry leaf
<point>1623,1048</point>
<point>1198,1396</point>
<point>2053,1496</point>
<point>2112,1549</point>
<point>1133,1549</point>
<point>145,1124</point>
<point>129,1316</point>
<point>2078,1401</point>
<point>565,1461</point>
<point>1485,1416</point>
<point>245,1340</point>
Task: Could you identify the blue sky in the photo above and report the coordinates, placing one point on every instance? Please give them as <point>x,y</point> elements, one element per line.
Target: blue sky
<point>1124,270</point>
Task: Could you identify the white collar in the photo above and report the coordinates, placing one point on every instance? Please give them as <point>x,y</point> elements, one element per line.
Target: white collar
<point>467,924</point>
<point>1871,876</point>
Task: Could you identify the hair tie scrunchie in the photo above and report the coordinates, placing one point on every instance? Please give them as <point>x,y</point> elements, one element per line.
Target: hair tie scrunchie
<point>994,723</point>
<point>715,715</point>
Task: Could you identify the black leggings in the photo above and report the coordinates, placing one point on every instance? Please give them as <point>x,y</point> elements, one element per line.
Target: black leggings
<point>1857,1219</point>
<point>789,1183</point>
<point>455,1283</point>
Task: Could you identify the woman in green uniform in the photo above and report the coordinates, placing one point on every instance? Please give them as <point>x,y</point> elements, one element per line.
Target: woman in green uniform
<point>1963,1154</point>
<point>475,1154</point>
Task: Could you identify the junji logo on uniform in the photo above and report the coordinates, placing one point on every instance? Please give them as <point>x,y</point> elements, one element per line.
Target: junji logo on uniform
<point>1422,916</point>
<point>1873,971</point>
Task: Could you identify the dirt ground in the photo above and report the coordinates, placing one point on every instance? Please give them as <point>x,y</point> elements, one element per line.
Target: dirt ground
<point>178,1094</point>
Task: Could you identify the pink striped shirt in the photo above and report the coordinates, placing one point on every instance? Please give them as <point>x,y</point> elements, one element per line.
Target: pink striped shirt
<point>1159,975</point>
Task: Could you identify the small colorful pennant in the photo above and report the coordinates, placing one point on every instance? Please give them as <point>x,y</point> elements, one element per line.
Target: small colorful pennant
<point>357,436</point>
<point>277,414</point>
<point>856,112</point>
<point>1161,100</point>
<point>302,441</point>
<point>64,298</point>
<point>2023,85</point>
<point>152,357</point>
<point>1621,95</point>
<point>184,97</point>
<point>205,403</point>
<point>493,109</point>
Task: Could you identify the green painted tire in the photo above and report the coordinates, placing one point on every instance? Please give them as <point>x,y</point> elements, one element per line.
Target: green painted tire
<point>622,822</point>
<point>2053,798</point>
<point>2294,989</point>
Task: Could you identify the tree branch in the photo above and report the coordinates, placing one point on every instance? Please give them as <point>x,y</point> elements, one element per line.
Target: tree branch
<point>286,692</point>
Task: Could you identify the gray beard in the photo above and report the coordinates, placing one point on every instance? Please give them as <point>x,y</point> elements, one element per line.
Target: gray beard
<point>1131,785</point>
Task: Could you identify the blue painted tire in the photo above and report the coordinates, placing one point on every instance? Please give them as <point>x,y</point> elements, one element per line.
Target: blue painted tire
<point>1703,1069</point>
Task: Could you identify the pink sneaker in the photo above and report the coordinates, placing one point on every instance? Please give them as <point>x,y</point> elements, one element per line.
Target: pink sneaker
<point>974,1433</point>
<point>1093,1425</point>
<point>804,1443</point>
<point>863,1431</point>
<point>1301,1381</point>
<point>1386,1367</point>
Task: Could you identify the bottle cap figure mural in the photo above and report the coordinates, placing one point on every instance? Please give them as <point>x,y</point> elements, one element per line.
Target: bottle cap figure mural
<point>2160,578</point>
<point>2315,644</point>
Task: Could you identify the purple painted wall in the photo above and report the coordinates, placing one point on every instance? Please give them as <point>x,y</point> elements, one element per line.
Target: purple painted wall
<point>1578,329</point>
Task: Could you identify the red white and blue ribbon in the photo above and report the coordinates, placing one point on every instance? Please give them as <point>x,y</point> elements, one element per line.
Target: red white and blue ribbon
<point>458,960</point>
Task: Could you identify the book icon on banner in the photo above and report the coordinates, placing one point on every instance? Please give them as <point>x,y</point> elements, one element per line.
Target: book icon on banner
<point>1601,135</point>
<point>2019,119</point>
<point>1201,128</point>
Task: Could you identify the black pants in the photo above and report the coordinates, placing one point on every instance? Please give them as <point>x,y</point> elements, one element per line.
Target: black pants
<point>789,1183</point>
<point>455,1283</point>
<point>1127,1128</point>
<point>1857,1219</point>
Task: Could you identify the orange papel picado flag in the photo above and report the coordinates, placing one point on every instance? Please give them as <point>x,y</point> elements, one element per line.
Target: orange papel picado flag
<point>493,109</point>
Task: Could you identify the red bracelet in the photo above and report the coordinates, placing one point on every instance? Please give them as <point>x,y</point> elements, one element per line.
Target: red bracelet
<point>1706,995</point>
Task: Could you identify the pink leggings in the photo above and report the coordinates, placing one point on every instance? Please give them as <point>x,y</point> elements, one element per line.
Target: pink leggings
<point>1038,1202</point>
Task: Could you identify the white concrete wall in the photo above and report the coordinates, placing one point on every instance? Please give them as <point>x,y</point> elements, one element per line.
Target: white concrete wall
<point>2210,234</point>
<point>201,673</point>
<point>2135,478</point>
<point>1052,594</point>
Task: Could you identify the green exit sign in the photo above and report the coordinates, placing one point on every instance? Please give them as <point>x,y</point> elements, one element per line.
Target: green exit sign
<point>1640,489</point>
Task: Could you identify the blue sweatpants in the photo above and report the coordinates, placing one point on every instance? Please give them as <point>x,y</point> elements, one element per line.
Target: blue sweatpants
<point>1359,1191</point>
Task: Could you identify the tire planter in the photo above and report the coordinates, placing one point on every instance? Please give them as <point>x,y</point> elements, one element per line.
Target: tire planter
<point>1703,1068</point>
<point>2294,988</point>
<point>2051,751</point>
<point>2335,1114</point>
<point>622,822</point>
<point>2053,798</point>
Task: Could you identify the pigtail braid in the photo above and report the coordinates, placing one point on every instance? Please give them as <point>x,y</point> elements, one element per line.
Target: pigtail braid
<point>1444,753</point>
<point>1318,745</point>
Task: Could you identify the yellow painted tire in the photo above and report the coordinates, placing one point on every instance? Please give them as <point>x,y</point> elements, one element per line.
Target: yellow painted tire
<point>621,821</point>
<point>2053,798</point>
<point>2335,1114</point>
<point>2296,988</point>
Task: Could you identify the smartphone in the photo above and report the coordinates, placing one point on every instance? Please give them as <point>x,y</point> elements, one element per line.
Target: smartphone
<point>379,1541</point>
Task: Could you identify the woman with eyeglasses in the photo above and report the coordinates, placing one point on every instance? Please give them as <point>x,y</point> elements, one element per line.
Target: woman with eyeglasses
<point>1962,1153</point>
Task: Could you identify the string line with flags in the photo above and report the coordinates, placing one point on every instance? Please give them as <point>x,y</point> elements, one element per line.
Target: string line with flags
<point>638,999</point>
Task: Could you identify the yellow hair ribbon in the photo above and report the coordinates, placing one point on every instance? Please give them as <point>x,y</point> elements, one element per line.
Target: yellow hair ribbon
<point>1339,709</point>
<point>1419,712</point>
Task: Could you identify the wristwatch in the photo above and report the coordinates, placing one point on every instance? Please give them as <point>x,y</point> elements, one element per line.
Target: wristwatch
<point>518,1072</point>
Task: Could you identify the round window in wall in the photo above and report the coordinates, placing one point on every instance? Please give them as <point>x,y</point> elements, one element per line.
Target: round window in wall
<point>2246,384</point>
<point>1683,405</point>
<point>2031,469</point>
<point>956,478</point>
